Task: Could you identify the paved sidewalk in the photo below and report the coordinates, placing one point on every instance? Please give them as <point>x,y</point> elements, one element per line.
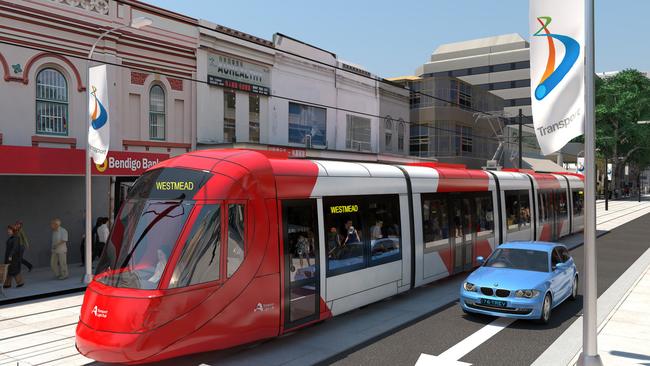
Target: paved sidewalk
<point>624,338</point>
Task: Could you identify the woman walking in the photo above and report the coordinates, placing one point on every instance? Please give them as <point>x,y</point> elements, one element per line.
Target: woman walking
<point>24,243</point>
<point>13,257</point>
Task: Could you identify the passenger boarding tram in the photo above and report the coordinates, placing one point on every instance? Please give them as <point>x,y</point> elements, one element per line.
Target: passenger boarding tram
<point>218,248</point>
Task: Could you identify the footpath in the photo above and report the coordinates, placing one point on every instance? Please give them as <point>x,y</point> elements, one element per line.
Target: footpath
<point>41,332</point>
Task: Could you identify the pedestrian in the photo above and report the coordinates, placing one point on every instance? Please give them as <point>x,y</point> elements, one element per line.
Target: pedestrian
<point>13,256</point>
<point>59,260</point>
<point>24,242</point>
<point>102,233</point>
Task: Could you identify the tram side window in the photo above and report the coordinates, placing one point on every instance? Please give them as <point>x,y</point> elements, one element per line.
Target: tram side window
<point>199,260</point>
<point>344,228</point>
<point>517,210</point>
<point>561,203</point>
<point>484,216</point>
<point>435,222</point>
<point>383,220</point>
<point>578,201</point>
<point>236,249</point>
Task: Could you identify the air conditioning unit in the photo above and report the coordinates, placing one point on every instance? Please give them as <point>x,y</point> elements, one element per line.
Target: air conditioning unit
<point>492,165</point>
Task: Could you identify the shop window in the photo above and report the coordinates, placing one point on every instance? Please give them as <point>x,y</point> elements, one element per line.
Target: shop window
<point>358,133</point>
<point>517,210</point>
<point>435,222</point>
<point>51,103</point>
<point>578,202</point>
<point>156,113</point>
<point>199,260</point>
<point>229,116</point>
<point>254,118</point>
<point>236,249</point>
<point>307,124</point>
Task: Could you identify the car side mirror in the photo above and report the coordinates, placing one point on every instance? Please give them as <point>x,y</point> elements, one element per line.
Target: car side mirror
<point>560,265</point>
<point>480,260</point>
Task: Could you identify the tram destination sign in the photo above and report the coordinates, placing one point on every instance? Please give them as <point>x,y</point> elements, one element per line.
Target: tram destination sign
<point>234,73</point>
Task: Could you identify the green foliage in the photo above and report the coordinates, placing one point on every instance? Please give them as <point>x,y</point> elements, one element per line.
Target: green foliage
<point>621,101</point>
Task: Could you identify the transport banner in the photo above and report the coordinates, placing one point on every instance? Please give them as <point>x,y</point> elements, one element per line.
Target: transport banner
<point>557,46</point>
<point>98,130</point>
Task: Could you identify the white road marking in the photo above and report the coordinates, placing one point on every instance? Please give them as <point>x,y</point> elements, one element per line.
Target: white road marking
<point>455,353</point>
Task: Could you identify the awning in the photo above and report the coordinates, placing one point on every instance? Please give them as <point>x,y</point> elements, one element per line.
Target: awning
<point>543,165</point>
<point>33,160</point>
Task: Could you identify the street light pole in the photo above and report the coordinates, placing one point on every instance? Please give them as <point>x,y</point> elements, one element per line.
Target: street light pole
<point>589,355</point>
<point>136,23</point>
<point>606,184</point>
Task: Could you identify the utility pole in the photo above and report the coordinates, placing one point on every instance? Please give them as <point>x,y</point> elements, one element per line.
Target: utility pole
<point>520,138</point>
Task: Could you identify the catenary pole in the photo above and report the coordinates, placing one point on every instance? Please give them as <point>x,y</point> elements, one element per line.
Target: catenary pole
<point>589,355</point>
<point>521,138</point>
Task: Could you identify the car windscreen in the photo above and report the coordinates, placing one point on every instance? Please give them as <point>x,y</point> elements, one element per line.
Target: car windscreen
<point>525,259</point>
<point>148,227</point>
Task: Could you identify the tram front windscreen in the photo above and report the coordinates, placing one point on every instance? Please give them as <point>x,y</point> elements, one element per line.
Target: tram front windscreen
<point>148,226</point>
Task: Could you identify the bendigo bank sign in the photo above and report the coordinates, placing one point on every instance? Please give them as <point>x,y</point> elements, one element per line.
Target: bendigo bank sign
<point>124,163</point>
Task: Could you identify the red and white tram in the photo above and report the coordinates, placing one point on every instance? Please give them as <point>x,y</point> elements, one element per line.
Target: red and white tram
<point>218,248</point>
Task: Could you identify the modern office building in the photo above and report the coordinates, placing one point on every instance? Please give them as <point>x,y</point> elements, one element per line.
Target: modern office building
<point>445,124</point>
<point>500,64</point>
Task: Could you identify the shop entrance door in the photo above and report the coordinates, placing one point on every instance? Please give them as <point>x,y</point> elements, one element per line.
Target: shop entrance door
<point>301,262</point>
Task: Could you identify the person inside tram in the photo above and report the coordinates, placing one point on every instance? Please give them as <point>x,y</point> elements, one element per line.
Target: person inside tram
<point>352,235</point>
<point>333,241</point>
<point>376,229</point>
<point>303,248</point>
<point>160,267</point>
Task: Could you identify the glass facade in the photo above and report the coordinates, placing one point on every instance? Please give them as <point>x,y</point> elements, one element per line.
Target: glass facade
<point>254,118</point>
<point>358,133</point>
<point>229,112</point>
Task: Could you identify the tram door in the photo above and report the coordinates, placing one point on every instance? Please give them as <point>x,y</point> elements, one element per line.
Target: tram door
<point>462,232</point>
<point>301,264</point>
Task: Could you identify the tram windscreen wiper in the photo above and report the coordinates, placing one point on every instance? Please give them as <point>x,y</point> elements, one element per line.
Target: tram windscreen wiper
<point>160,216</point>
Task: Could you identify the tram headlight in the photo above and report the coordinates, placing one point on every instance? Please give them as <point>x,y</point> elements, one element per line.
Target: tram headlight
<point>529,294</point>
<point>468,286</point>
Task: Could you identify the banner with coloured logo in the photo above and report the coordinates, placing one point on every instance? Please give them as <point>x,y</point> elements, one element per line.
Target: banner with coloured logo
<point>98,131</point>
<point>557,71</point>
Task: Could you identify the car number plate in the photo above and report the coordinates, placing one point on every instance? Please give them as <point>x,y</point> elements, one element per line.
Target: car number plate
<point>490,302</point>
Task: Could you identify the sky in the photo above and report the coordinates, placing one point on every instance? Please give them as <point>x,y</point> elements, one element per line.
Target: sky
<point>392,38</point>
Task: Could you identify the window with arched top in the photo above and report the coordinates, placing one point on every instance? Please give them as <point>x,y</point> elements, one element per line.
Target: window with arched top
<point>51,102</point>
<point>156,113</point>
<point>388,133</point>
<point>400,135</point>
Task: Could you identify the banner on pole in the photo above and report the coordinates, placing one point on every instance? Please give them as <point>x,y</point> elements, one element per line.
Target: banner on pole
<point>580,165</point>
<point>98,130</point>
<point>609,172</point>
<point>557,71</point>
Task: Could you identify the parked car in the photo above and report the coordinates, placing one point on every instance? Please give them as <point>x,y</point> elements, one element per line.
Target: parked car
<point>523,280</point>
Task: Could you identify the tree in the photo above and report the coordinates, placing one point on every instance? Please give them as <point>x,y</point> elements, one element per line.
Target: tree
<point>621,101</point>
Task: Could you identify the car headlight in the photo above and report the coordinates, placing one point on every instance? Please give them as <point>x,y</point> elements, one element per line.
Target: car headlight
<point>529,294</point>
<point>468,286</point>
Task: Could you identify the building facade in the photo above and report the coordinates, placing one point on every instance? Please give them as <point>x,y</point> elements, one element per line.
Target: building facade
<point>43,94</point>
<point>287,95</point>
<point>500,64</point>
<point>452,132</point>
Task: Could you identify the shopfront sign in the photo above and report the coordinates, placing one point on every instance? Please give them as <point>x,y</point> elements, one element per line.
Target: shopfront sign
<point>31,160</point>
<point>121,163</point>
<point>233,73</point>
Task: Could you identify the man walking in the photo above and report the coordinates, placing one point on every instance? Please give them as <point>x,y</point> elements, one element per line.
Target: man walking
<point>59,261</point>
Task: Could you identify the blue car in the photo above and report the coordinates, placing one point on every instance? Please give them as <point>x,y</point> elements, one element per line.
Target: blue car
<point>522,280</point>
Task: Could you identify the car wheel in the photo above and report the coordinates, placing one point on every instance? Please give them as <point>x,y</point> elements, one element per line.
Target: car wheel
<point>574,289</point>
<point>546,310</point>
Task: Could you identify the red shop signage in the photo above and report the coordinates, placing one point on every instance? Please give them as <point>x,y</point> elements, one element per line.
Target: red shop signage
<point>30,160</point>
